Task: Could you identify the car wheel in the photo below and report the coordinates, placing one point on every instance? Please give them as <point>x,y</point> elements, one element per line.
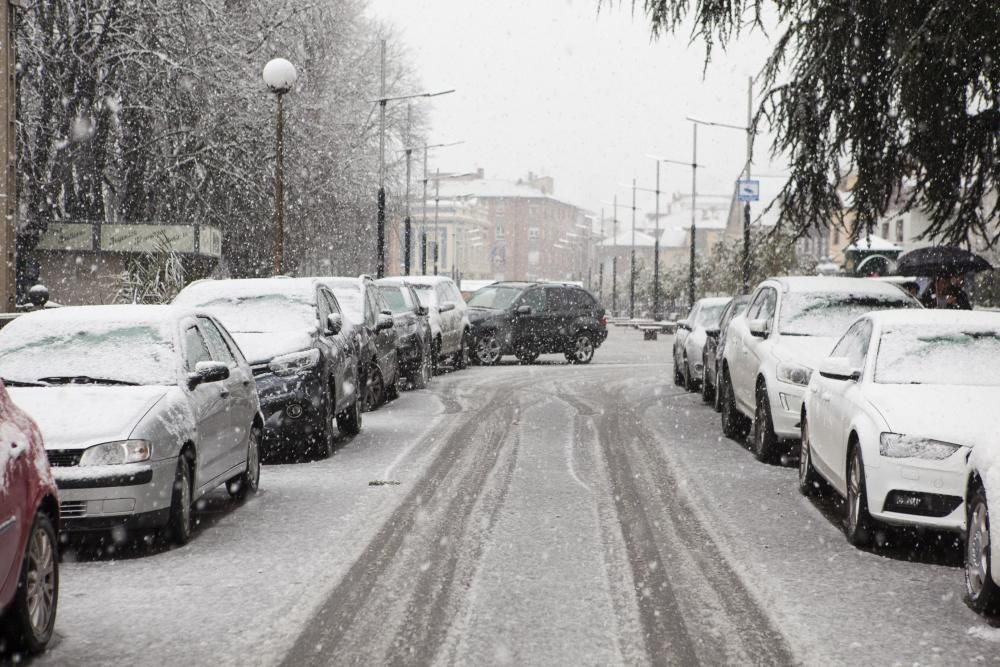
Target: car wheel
<point>707,389</point>
<point>689,383</point>
<point>179,523</point>
<point>734,423</point>
<point>488,350</point>
<point>422,375</point>
<point>247,481</point>
<point>983,594</point>
<point>392,389</point>
<point>349,421</point>
<point>581,350</point>
<point>717,400</point>
<point>858,523</point>
<point>462,358</point>
<point>678,375</point>
<point>809,480</point>
<point>374,390</point>
<point>32,613</point>
<point>435,356</point>
<point>765,442</point>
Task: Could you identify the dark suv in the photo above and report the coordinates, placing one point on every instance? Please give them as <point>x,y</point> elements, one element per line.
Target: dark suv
<point>528,319</point>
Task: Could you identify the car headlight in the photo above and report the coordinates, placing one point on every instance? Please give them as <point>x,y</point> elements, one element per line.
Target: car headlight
<point>117,453</point>
<point>290,364</point>
<point>898,446</point>
<point>794,373</point>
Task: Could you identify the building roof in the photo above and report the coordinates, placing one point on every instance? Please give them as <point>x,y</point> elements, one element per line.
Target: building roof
<point>493,188</point>
<point>872,242</point>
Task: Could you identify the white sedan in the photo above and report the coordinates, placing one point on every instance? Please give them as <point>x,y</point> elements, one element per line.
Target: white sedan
<point>689,340</point>
<point>891,418</point>
<point>774,346</point>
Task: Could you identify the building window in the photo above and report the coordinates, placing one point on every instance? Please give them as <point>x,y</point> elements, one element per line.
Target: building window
<point>534,233</point>
<point>499,232</point>
<point>899,231</point>
<point>498,208</point>
<point>836,235</point>
<point>885,230</point>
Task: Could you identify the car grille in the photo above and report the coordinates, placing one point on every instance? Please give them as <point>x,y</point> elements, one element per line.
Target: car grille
<point>70,508</point>
<point>61,458</point>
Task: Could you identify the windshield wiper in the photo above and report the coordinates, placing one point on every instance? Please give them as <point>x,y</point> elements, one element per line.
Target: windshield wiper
<point>84,379</point>
<point>793,333</point>
<point>21,383</point>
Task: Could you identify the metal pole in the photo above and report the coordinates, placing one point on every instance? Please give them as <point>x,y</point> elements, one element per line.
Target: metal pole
<point>746,207</point>
<point>407,225</point>
<point>694,195</point>
<point>279,192</point>
<point>437,198</point>
<point>600,264</point>
<point>631,278</point>
<point>423,223</point>
<point>8,226</point>
<point>380,224</point>
<point>656,251</point>
<point>614,259</point>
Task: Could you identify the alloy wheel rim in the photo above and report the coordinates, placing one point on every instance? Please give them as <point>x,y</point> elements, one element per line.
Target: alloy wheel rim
<point>977,549</point>
<point>488,350</point>
<point>854,494</point>
<point>253,460</point>
<point>584,348</point>
<point>40,585</point>
<point>804,454</point>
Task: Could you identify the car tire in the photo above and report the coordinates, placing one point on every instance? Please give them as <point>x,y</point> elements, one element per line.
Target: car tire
<point>707,388</point>
<point>581,349</point>
<point>858,523</point>
<point>436,356</point>
<point>765,442</point>
<point>982,594</point>
<point>689,383</point>
<point>248,481</point>
<point>180,522</point>
<point>461,360</point>
<point>717,400</point>
<point>678,375</point>
<point>374,389</point>
<point>734,423</point>
<point>421,376</point>
<point>810,482</point>
<point>488,349</point>
<point>32,614</point>
<point>392,389</point>
<point>349,421</point>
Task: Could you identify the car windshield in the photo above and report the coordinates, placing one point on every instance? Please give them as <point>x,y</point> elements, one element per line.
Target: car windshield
<point>259,313</point>
<point>710,314</point>
<point>397,298</point>
<point>830,313</point>
<point>494,297</point>
<point>88,352</point>
<point>350,300</point>
<point>426,294</point>
<point>939,355</point>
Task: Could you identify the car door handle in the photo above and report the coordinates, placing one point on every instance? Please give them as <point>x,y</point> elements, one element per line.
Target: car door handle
<point>224,393</point>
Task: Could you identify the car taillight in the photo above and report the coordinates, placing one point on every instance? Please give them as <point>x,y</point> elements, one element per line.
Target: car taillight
<point>604,320</point>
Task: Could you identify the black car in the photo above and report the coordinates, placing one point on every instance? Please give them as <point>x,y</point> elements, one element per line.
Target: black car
<point>527,319</point>
<point>304,363</point>
<point>370,321</point>
<point>413,330</point>
<point>715,343</point>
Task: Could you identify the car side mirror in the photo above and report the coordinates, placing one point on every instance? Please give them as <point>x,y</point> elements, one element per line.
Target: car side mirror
<point>387,312</point>
<point>445,307</point>
<point>759,328</point>
<point>421,311</point>
<point>334,323</point>
<point>207,371</point>
<point>684,324</point>
<point>838,368</point>
<point>523,310</point>
<point>383,322</point>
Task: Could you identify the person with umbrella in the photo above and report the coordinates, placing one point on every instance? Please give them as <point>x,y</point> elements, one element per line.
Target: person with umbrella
<point>947,265</point>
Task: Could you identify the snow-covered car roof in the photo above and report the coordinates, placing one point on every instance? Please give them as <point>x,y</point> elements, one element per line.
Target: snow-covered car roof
<point>835,285</point>
<point>715,300</point>
<point>429,280</point>
<point>937,317</point>
<point>341,281</point>
<point>112,314</point>
<point>243,287</point>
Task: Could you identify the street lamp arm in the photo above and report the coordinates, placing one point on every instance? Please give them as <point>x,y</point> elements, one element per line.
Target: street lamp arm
<point>399,98</point>
<point>710,123</point>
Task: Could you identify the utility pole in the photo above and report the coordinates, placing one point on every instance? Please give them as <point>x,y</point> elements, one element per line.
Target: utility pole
<point>614,259</point>
<point>407,225</point>
<point>8,226</point>
<point>380,221</point>
<point>694,211</point>
<point>600,263</point>
<point>631,280</point>
<point>423,222</point>
<point>746,208</point>
<point>437,199</point>
<point>656,251</point>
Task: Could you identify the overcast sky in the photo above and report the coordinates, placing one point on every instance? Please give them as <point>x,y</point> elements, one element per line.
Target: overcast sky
<point>557,88</point>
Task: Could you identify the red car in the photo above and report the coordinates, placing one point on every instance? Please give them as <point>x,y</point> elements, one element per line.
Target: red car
<point>29,521</point>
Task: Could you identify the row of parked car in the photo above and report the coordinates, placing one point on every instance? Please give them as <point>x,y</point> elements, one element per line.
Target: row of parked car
<point>888,404</point>
<point>144,409</point>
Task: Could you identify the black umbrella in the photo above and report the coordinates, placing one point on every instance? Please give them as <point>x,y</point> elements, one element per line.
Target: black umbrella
<point>940,261</point>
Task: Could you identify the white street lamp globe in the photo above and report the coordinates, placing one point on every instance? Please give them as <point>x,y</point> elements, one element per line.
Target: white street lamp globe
<point>279,75</point>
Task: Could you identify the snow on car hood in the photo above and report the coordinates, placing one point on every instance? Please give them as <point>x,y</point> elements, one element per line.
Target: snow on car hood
<point>954,414</point>
<point>805,350</point>
<point>263,346</point>
<point>75,417</point>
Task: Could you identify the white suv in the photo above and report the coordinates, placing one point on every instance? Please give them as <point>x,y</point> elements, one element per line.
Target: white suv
<point>448,317</point>
<point>773,347</point>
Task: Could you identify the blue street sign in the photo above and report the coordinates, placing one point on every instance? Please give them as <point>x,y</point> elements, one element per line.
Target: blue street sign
<point>748,190</point>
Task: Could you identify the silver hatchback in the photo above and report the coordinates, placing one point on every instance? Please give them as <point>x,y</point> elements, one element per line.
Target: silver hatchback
<point>143,410</point>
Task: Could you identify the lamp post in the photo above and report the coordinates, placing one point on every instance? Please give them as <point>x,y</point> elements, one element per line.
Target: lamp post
<point>279,75</point>
<point>694,194</point>
<point>614,255</point>
<point>423,222</point>
<point>748,129</point>
<point>656,242</point>
<point>437,198</point>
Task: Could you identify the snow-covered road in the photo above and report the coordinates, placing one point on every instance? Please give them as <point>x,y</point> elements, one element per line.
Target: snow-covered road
<point>543,515</point>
